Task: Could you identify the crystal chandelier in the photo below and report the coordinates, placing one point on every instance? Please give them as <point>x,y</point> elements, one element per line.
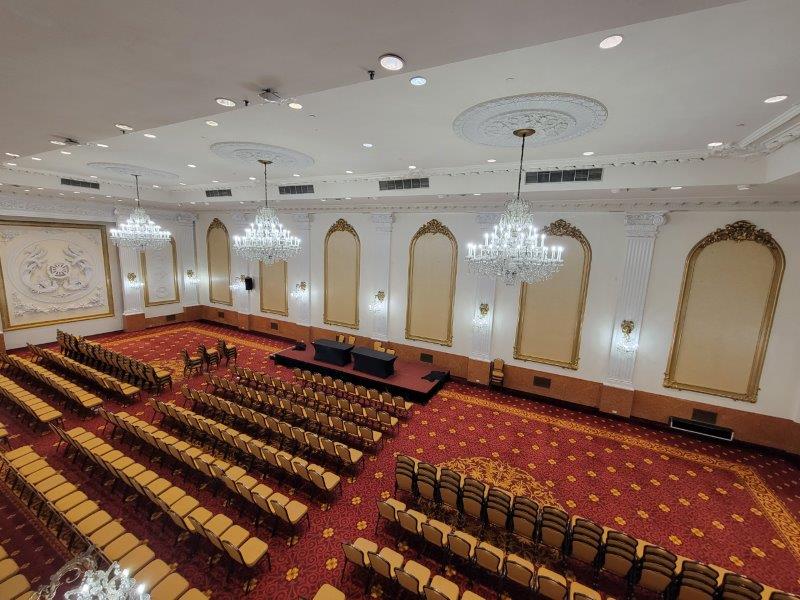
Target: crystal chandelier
<point>514,250</point>
<point>139,232</point>
<point>115,583</point>
<point>266,239</point>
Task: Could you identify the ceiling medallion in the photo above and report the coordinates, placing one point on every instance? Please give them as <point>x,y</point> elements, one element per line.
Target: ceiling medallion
<point>555,117</point>
<point>249,152</point>
<point>131,170</point>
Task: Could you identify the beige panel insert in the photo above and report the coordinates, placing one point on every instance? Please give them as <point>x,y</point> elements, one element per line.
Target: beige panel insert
<point>730,289</point>
<point>342,274</point>
<point>219,263</point>
<point>161,279</point>
<point>433,256</point>
<point>274,297</point>
<point>551,311</point>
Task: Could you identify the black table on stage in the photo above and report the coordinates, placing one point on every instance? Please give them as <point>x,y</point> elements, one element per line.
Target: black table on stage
<point>335,353</point>
<point>374,362</point>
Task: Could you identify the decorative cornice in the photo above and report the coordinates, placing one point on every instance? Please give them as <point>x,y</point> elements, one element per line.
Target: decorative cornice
<point>342,225</point>
<point>561,227</point>
<point>217,224</point>
<point>740,231</point>
<point>772,136</point>
<point>433,227</point>
<point>85,209</point>
<point>644,224</point>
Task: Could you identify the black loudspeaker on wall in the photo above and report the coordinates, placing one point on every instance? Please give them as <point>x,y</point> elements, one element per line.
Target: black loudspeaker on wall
<point>248,283</point>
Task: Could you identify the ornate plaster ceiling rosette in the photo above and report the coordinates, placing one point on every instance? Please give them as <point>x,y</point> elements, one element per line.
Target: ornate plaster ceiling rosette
<point>556,117</point>
<point>126,169</point>
<point>249,153</point>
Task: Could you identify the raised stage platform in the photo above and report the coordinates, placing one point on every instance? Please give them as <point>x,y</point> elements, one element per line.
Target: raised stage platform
<point>408,379</point>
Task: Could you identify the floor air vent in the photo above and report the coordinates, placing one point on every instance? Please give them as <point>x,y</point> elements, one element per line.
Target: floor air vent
<point>403,184</point>
<point>296,189</point>
<point>564,176</point>
<point>701,428</point>
<point>78,183</point>
<point>218,193</point>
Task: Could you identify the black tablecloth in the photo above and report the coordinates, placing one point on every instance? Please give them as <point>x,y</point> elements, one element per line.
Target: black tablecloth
<point>374,362</point>
<point>332,352</point>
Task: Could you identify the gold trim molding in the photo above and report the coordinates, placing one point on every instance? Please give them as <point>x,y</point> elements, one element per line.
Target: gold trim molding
<point>564,229</point>
<point>740,231</point>
<point>143,260</point>
<point>261,268</point>
<point>432,227</point>
<point>217,224</point>
<point>345,227</point>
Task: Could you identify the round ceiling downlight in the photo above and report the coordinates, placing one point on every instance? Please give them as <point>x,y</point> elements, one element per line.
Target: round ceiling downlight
<point>295,105</point>
<point>774,99</point>
<point>226,102</point>
<point>123,127</point>
<point>418,80</point>
<point>611,41</point>
<point>212,123</point>
<point>714,144</point>
<point>391,62</point>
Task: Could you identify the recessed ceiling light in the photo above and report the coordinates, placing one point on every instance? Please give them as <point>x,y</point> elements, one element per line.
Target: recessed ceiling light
<point>611,41</point>
<point>476,194</point>
<point>214,181</point>
<point>588,153</point>
<point>191,166</point>
<point>774,99</point>
<point>12,155</point>
<point>92,176</point>
<point>348,198</point>
<point>192,202</point>
<point>322,199</point>
<point>412,167</point>
<point>241,201</point>
<point>76,192</point>
<point>676,187</point>
<point>150,135</point>
<point>58,142</point>
<point>156,186</point>
<point>35,158</point>
<point>102,145</point>
<point>60,193</point>
<point>39,188</point>
<point>367,145</point>
<point>123,127</point>
<point>295,105</point>
<point>212,123</point>
<point>742,188</point>
<point>491,160</point>
<point>418,80</point>
<point>181,183</point>
<point>391,62</point>
<point>349,172</point>
<point>66,152</point>
<point>27,190</point>
<point>226,102</point>
<point>714,144</point>
<point>108,196</point>
<point>10,164</point>
<point>295,174</point>
<point>252,178</point>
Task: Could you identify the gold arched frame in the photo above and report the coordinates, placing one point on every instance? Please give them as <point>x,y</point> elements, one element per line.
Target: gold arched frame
<point>143,262</point>
<point>740,231</point>
<point>432,227</point>
<point>217,224</point>
<point>261,269</point>
<point>343,226</point>
<point>559,228</point>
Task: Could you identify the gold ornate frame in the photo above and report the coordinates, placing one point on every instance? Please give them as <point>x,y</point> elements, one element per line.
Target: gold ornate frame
<point>342,225</point>
<point>564,229</point>
<point>432,227</point>
<point>109,290</point>
<point>740,231</point>
<point>143,261</point>
<point>285,313</point>
<point>217,224</point>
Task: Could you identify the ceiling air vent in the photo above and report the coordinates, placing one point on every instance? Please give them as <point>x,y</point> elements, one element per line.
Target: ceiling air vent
<point>564,176</point>
<point>78,183</point>
<point>295,189</point>
<point>403,184</point>
<point>218,193</point>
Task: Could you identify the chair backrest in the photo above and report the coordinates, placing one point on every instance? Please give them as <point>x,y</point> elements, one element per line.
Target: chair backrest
<point>380,565</point>
<point>489,558</point>
<point>498,364</point>
<point>657,569</point>
<point>353,554</point>
<point>519,570</point>
<point>550,585</point>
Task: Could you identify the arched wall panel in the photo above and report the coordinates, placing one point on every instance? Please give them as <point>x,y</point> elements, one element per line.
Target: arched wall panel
<point>432,269</point>
<point>730,288</point>
<point>274,297</point>
<point>551,311</point>
<point>342,275</point>
<point>218,251</point>
<point>160,275</point>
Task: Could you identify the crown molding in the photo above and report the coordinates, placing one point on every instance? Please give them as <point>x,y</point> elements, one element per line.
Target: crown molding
<point>17,205</point>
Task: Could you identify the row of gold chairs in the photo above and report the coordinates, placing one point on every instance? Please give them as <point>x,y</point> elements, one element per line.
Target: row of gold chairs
<point>69,390</point>
<point>315,399</point>
<point>253,450</point>
<point>57,498</point>
<point>3,434</point>
<point>241,547</point>
<point>127,391</point>
<point>37,409</point>
<point>13,584</point>
<point>234,478</point>
<point>636,562</point>
<point>393,568</point>
<point>127,368</point>
<point>301,417</point>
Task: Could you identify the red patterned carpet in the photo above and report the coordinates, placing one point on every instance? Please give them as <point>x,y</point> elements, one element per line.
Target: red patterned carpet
<point>733,507</point>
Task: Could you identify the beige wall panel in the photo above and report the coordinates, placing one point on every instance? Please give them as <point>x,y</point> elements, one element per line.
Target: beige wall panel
<point>219,263</point>
<point>431,285</point>
<point>551,312</point>
<point>160,274</point>
<point>274,298</point>
<point>342,273</point>
<point>727,303</point>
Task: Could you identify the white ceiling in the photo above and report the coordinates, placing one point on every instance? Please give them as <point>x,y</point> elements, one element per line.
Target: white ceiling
<point>675,84</point>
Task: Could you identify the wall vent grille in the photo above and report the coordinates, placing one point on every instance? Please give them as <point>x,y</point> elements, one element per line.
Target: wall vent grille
<point>296,189</point>
<point>403,184</point>
<point>564,176</point>
<point>218,193</point>
<point>78,183</point>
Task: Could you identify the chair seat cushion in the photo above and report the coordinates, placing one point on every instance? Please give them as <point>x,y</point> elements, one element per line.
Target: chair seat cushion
<point>121,546</point>
<point>253,550</point>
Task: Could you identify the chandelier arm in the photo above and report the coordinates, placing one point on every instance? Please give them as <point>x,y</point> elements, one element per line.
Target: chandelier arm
<point>519,179</point>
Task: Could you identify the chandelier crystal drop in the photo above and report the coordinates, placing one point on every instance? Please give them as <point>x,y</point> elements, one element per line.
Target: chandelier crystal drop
<point>93,583</point>
<point>266,239</point>
<point>139,231</point>
<point>514,250</point>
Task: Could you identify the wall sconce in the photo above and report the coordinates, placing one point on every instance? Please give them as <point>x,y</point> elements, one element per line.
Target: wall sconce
<point>192,277</point>
<point>132,283</point>
<point>627,344</point>
<point>481,318</point>
<point>239,283</point>
<point>300,291</point>
<point>378,301</point>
